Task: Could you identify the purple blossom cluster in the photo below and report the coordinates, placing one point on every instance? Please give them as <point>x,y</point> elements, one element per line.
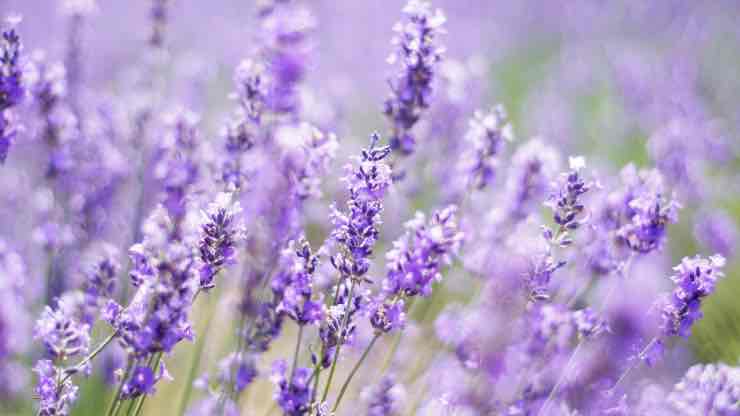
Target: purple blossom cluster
<point>446,269</point>
<point>12,89</point>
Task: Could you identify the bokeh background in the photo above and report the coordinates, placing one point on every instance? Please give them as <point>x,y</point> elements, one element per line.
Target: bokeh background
<point>655,83</point>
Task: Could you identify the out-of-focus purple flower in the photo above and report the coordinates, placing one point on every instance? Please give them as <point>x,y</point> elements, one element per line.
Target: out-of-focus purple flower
<point>718,232</point>
<point>293,396</point>
<point>100,280</point>
<point>14,321</point>
<point>695,278</point>
<point>220,233</point>
<point>708,389</point>
<point>214,404</point>
<point>141,382</point>
<point>178,167</point>
<point>534,165</point>
<point>158,14</point>
<point>61,332</point>
<point>12,89</point>
<point>415,261</point>
<point>418,54</point>
<point>55,399</point>
<point>239,367</point>
<point>385,398</point>
<point>357,230</point>
<point>487,134</point>
<point>286,49</point>
<point>293,286</point>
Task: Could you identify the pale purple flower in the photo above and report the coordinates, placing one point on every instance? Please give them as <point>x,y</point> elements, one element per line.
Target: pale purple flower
<point>416,259</point>
<point>220,233</point>
<point>12,88</point>
<point>292,395</point>
<point>418,54</point>
<point>707,389</point>
<point>55,399</point>
<point>486,136</point>
<point>695,278</point>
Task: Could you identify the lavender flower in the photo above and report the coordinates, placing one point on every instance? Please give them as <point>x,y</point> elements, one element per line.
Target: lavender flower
<point>356,231</point>
<point>55,398</point>
<point>100,280</point>
<point>695,278</point>
<point>61,331</point>
<point>293,395</point>
<point>178,167</point>
<point>711,389</point>
<point>418,54</point>
<point>14,321</point>
<point>12,89</point>
<point>286,49</point>
<point>220,233</point>
<point>717,232</point>
<point>415,261</point>
<point>158,13</point>
<point>566,204</point>
<point>141,382</point>
<point>487,135</point>
<point>647,210</point>
<point>385,398</point>
<point>241,367</point>
<point>534,165</point>
<point>294,286</point>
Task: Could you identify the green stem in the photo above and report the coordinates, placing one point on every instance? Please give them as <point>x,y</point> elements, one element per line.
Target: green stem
<point>115,403</point>
<point>340,343</point>
<point>295,354</point>
<point>199,347</point>
<point>155,367</point>
<point>354,370</point>
<point>78,366</point>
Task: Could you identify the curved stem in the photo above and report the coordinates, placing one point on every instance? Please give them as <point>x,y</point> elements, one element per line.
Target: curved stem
<point>98,350</point>
<point>354,370</point>
<point>340,343</point>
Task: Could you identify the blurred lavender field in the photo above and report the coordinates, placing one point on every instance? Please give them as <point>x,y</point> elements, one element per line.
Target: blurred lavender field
<point>369,208</point>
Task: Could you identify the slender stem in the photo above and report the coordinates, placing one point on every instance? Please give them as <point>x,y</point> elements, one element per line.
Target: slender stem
<point>354,370</point>
<point>92,355</point>
<point>195,362</point>
<point>340,343</point>
<point>640,357</point>
<point>297,350</point>
<point>140,406</point>
<point>621,272</point>
<point>114,404</point>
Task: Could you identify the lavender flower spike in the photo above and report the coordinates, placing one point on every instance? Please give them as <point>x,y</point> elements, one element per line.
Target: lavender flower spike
<point>487,134</point>
<point>12,89</point>
<point>357,230</point>
<point>220,232</point>
<point>414,262</point>
<point>55,396</point>
<point>712,389</point>
<point>418,54</point>
<point>695,278</point>
<point>566,205</point>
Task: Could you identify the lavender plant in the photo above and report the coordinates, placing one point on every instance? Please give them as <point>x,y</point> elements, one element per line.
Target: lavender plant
<point>219,262</point>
